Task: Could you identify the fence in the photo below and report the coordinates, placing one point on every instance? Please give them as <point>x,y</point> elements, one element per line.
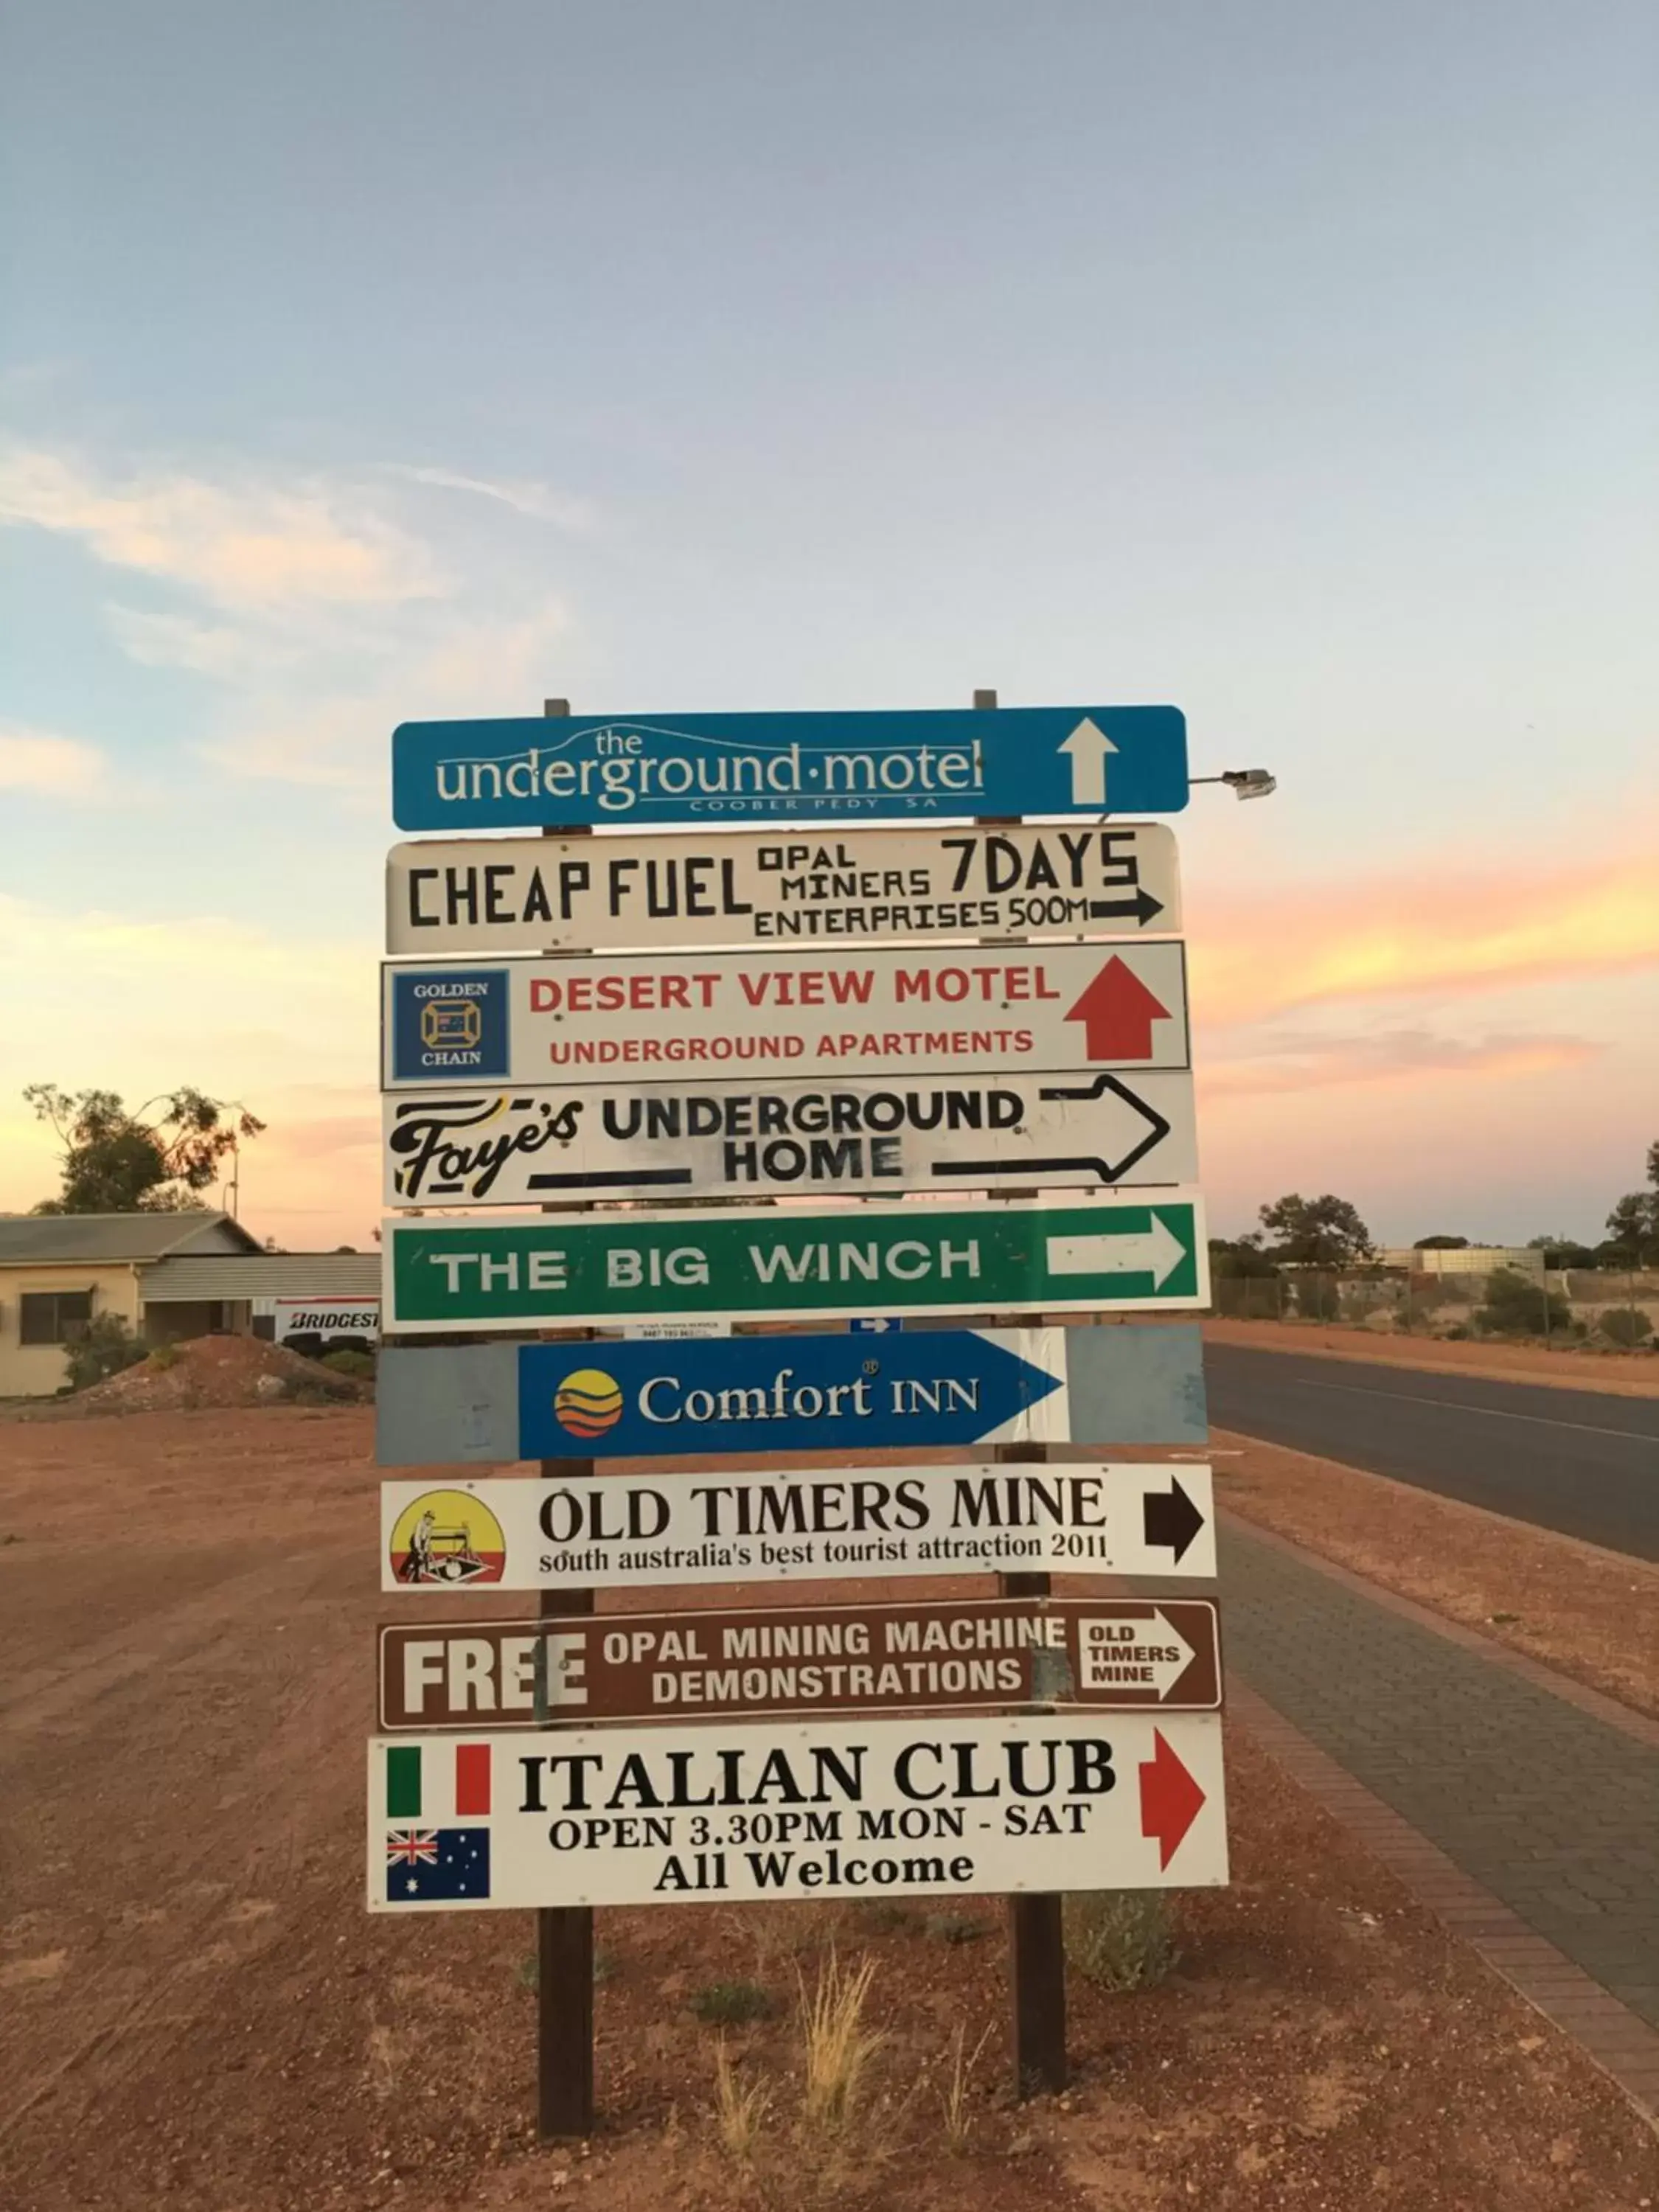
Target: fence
<point>1429,1303</point>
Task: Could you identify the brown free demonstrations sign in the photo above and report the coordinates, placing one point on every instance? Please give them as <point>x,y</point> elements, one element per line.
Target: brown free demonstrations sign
<point>972,1653</point>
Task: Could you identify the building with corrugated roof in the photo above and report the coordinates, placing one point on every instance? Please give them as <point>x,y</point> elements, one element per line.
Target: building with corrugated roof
<point>165,1275</point>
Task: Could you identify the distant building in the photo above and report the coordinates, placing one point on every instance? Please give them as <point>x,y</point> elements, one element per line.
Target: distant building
<point>1467,1260</point>
<point>166,1275</point>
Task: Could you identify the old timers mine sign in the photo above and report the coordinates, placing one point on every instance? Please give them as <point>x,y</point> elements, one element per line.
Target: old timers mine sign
<point>905,994</point>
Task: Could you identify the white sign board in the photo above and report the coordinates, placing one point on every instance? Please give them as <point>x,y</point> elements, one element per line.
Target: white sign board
<point>320,1317</point>
<point>494,1147</point>
<point>789,887</point>
<point>636,1531</point>
<point>739,1813</point>
<point>881,1014</point>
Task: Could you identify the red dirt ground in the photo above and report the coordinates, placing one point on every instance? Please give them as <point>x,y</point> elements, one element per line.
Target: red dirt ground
<point>199,2016</point>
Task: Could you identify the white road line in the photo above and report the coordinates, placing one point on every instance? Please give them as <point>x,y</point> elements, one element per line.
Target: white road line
<point>1458,1406</point>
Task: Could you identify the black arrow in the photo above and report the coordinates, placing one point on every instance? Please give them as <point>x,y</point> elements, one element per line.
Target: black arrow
<point>1171,1518</point>
<point>1109,1170</point>
<point>1143,906</point>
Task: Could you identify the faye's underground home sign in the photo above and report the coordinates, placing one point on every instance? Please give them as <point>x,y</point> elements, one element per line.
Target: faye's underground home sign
<point>456,1147</point>
<point>740,1812</point>
<point>763,1264</point>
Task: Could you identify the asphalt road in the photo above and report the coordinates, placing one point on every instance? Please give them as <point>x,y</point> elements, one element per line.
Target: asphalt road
<point>1580,1461</point>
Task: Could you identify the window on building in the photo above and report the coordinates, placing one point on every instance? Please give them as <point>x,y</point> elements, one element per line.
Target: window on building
<point>53,1317</point>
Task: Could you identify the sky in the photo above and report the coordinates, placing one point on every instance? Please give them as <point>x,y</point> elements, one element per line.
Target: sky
<point>1298,365</point>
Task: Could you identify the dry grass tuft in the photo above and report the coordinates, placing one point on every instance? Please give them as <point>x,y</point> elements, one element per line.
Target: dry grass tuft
<point>741,2110</point>
<point>836,2047</point>
<point>959,2127</point>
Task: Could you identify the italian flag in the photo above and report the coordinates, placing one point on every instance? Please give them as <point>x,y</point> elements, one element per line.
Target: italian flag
<point>436,1782</point>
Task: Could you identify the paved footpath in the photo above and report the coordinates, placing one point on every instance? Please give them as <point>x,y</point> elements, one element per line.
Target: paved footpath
<point>1550,1808</point>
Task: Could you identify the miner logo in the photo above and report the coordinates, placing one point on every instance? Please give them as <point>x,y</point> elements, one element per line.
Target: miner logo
<point>448,1024</point>
<point>447,1538</point>
<point>588,1402</point>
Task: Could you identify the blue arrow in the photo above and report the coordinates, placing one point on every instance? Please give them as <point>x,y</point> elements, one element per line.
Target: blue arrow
<point>747,1393</point>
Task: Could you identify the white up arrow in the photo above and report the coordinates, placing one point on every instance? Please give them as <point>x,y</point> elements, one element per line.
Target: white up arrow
<point>1101,1661</point>
<point>1088,746</point>
<point>1157,1253</point>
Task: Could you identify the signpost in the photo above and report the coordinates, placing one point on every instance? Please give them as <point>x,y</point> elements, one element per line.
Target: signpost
<point>771,998</point>
<point>496,1147</point>
<point>524,1271</point>
<point>739,1813</point>
<point>639,771</point>
<point>960,1011</point>
<point>747,887</point>
<point>951,1653</point>
<point>637,1531</point>
<point>490,1404</point>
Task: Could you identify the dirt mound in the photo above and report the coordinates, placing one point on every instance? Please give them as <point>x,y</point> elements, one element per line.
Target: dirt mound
<point>209,1371</point>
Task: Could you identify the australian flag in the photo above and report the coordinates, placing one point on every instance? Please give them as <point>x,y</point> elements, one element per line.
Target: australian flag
<point>428,1866</point>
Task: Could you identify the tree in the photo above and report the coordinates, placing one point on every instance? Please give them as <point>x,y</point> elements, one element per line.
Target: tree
<point>1633,1225</point>
<point>1241,1256</point>
<point>154,1160</point>
<point>1440,1245</point>
<point>1316,1233</point>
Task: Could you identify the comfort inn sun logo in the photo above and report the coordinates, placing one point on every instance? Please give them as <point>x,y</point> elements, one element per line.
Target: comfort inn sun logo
<point>587,1403</point>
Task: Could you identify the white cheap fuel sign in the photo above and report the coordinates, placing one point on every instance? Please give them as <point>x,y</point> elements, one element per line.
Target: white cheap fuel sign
<point>554,894</point>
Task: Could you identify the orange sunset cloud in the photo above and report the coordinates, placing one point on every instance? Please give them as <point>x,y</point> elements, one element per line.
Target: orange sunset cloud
<point>1425,933</point>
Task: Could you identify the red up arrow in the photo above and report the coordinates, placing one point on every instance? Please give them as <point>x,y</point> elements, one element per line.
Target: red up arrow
<point>1117,1012</point>
<point>1169,1799</point>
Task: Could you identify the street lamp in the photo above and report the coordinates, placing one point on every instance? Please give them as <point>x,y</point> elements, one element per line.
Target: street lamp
<point>1243,782</point>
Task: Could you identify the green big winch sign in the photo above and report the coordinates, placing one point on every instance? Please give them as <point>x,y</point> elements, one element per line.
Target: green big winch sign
<point>760,1263</point>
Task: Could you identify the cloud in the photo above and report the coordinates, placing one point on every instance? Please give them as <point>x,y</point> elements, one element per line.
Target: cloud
<point>1439,932</point>
<point>339,738</point>
<point>522,495</point>
<point>250,543</point>
<point>50,767</point>
<point>1298,1062</point>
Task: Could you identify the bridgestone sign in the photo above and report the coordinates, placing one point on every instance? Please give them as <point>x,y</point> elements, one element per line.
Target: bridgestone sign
<point>553,894</point>
<point>739,1812</point>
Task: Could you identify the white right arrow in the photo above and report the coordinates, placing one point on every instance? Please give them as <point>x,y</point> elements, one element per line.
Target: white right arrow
<point>1088,746</point>
<point>1157,1253</point>
<point>1129,1658</point>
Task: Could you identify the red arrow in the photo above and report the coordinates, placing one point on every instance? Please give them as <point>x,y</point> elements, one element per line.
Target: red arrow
<point>1117,1011</point>
<point>1169,1799</point>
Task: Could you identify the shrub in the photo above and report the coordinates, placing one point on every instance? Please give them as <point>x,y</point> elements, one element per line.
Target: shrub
<point>1628,1326</point>
<point>1318,1298</point>
<point>360,1366</point>
<point>1120,1938</point>
<point>164,1355</point>
<point>1516,1306</point>
<point>728,2004</point>
<point>104,1348</point>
